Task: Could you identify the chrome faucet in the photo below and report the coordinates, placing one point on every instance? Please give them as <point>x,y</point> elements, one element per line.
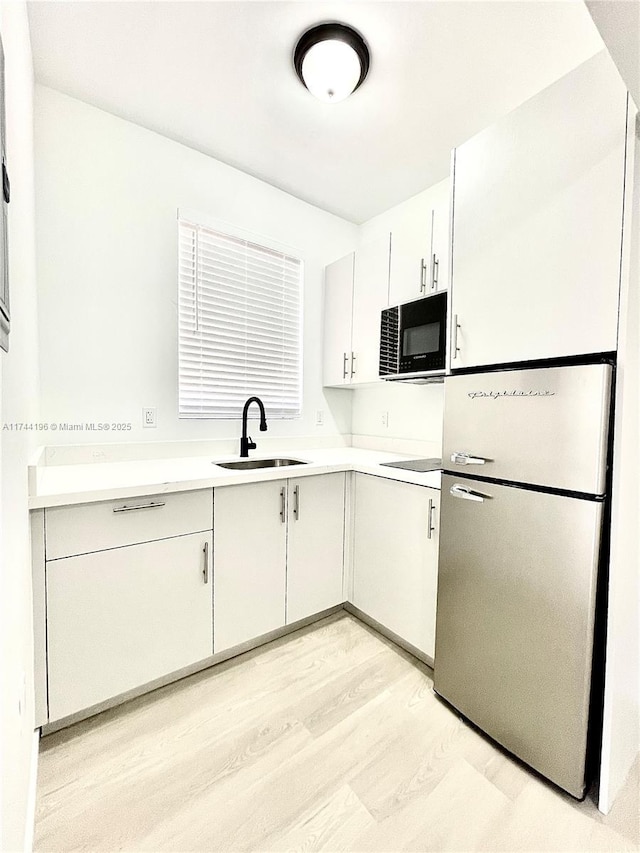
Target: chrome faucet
<point>247,444</point>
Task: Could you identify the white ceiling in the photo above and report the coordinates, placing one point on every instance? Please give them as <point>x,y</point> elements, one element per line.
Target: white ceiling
<point>218,76</point>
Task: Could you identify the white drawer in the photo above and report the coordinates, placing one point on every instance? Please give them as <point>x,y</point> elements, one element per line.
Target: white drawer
<point>84,528</point>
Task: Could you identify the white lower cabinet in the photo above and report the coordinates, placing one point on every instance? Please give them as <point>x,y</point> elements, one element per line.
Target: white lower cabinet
<point>250,546</point>
<point>395,557</point>
<point>278,555</point>
<point>315,555</point>
<point>120,618</point>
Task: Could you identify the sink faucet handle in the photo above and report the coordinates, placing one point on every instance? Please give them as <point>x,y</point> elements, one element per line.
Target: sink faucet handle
<point>251,445</point>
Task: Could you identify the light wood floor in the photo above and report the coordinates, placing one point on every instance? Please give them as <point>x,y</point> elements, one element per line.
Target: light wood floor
<point>330,739</point>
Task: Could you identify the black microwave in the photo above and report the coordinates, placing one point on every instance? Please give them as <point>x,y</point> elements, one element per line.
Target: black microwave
<point>413,339</point>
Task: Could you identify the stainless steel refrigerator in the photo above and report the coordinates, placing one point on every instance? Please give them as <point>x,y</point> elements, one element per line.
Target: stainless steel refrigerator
<point>523,501</point>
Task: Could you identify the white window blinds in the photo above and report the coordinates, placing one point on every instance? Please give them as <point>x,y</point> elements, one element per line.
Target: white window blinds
<point>239,325</point>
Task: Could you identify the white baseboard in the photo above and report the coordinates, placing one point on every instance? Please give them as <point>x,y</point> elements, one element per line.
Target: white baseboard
<point>31,800</point>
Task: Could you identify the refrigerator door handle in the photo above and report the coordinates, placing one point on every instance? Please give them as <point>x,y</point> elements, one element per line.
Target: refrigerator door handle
<point>466,459</point>
<point>458,491</point>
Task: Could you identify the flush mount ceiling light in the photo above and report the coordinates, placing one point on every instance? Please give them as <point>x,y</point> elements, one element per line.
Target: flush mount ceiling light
<point>331,60</point>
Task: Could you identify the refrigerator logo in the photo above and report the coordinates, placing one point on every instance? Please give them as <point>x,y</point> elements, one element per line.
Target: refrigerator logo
<point>494,395</point>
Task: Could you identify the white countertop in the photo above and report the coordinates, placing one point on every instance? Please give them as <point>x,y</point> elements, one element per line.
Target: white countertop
<point>57,485</point>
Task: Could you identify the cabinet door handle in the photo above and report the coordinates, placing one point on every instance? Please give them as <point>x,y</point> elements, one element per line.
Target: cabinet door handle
<point>454,342</point>
<point>150,505</point>
<point>205,570</point>
<point>435,266</point>
<point>282,504</point>
<point>296,503</point>
<point>430,527</point>
<point>344,366</point>
<point>423,276</point>
<point>353,364</point>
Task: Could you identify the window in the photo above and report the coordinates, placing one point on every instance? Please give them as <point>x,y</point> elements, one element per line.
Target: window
<point>239,325</point>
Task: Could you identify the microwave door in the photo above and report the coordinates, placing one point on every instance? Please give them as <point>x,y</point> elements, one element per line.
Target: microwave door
<point>413,340</point>
<point>422,339</point>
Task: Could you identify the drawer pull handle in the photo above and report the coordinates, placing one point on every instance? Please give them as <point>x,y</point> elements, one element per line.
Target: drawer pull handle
<point>125,508</point>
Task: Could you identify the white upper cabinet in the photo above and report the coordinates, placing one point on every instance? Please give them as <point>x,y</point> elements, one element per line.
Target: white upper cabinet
<point>411,252</point>
<point>440,199</point>
<point>370,296</point>
<point>356,291</point>
<point>538,203</point>
<point>420,245</point>
<point>338,310</point>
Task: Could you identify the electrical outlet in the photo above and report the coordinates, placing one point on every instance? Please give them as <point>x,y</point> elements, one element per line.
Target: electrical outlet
<point>319,417</point>
<point>385,419</point>
<point>149,416</point>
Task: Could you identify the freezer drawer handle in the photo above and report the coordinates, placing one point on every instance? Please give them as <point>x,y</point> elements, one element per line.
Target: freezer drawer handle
<point>467,459</point>
<point>466,494</point>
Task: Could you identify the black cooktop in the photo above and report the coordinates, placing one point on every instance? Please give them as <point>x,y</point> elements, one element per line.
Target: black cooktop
<point>421,465</point>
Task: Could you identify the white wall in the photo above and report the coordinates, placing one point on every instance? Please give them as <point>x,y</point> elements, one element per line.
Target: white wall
<point>618,22</point>
<point>107,192</point>
<point>19,404</point>
<point>414,411</point>
<point>621,724</point>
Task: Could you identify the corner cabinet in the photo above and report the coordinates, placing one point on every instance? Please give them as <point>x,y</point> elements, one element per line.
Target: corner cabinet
<point>356,291</point>
<point>538,209</point>
<point>278,555</point>
<point>128,595</point>
<point>395,557</point>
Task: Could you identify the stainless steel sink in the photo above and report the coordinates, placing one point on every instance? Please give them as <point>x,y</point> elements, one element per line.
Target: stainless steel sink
<point>247,464</point>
